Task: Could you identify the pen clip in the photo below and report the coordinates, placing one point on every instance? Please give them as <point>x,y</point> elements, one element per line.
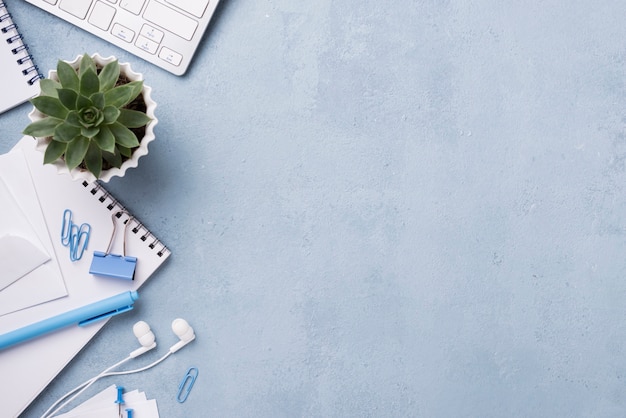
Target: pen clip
<point>104,315</point>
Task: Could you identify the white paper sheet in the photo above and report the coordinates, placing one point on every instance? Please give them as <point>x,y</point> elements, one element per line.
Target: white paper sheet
<point>45,283</point>
<point>18,257</point>
<point>103,405</point>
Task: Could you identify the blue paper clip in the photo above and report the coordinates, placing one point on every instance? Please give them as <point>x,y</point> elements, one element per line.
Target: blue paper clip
<point>73,236</point>
<point>113,265</point>
<point>186,384</point>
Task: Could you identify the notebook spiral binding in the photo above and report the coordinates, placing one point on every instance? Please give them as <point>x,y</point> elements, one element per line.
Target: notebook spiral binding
<point>11,36</point>
<point>112,203</point>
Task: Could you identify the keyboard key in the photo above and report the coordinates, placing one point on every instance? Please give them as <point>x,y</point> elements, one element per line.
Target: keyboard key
<point>78,8</point>
<point>102,15</point>
<point>194,7</point>
<point>123,32</point>
<point>146,44</point>
<point>152,33</point>
<point>170,20</point>
<point>133,6</point>
<point>170,56</point>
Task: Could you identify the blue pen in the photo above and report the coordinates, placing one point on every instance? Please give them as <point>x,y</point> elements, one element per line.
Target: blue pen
<point>80,316</point>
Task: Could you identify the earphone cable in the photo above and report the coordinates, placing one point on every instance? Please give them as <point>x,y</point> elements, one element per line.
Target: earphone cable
<point>81,388</point>
<point>137,370</point>
<point>107,372</point>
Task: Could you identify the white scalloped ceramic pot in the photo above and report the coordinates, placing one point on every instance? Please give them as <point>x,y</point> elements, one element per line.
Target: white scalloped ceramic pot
<point>106,175</point>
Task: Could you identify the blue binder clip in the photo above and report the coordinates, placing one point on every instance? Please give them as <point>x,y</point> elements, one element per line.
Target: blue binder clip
<point>114,265</point>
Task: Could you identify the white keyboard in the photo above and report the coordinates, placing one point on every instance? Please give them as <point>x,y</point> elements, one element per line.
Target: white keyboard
<point>163,32</point>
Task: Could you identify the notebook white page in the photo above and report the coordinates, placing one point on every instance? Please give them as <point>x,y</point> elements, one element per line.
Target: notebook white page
<point>17,87</point>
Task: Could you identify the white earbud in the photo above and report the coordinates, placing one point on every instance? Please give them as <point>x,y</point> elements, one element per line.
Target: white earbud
<point>184,331</point>
<point>146,338</point>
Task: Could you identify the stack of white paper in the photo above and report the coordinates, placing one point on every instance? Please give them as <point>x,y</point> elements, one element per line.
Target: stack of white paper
<point>33,276</point>
<point>103,405</point>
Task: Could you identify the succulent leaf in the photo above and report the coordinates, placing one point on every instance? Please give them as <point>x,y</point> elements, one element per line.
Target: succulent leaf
<point>93,159</point>
<point>89,83</point>
<point>132,118</point>
<point>68,98</point>
<point>117,96</point>
<point>66,132</point>
<point>86,64</point>
<point>115,159</point>
<point>49,87</point>
<point>73,119</point>
<point>54,151</point>
<point>89,132</point>
<point>137,87</point>
<point>43,127</point>
<point>50,106</point>
<point>109,75</point>
<point>123,136</point>
<point>98,100</point>
<point>75,152</point>
<point>82,102</point>
<point>111,113</point>
<point>105,139</point>
<point>67,75</point>
<point>124,94</point>
<point>126,152</point>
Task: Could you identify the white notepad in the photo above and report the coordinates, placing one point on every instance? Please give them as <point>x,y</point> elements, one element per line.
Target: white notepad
<point>46,356</point>
<point>19,76</point>
<point>103,405</point>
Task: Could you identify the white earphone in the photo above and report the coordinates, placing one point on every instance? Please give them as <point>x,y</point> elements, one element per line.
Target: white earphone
<point>147,340</point>
<point>146,337</point>
<point>184,331</point>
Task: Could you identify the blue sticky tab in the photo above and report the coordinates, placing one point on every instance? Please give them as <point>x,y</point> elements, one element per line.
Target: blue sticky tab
<point>113,265</point>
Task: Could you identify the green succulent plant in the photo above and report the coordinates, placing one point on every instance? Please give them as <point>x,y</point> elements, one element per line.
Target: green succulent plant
<point>87,119</point>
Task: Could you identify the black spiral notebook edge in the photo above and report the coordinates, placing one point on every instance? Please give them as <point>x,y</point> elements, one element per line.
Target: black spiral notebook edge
<point>10,34</point>
<point>114,206</point>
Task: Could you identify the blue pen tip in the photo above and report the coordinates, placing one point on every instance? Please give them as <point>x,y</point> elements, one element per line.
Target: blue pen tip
<point>134,295</point>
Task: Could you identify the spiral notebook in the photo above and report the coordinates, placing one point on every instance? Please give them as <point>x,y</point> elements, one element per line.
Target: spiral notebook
<point>19,76</point>
<point>27,368</point>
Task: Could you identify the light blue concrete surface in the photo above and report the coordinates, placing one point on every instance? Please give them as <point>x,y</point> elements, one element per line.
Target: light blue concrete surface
<point>385,209</point>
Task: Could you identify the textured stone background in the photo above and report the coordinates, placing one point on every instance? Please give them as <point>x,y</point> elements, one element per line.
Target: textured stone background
<point>405,208</point>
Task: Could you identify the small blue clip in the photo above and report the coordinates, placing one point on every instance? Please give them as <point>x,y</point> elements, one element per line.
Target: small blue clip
<point>73,236</point>
<point>114,265</point>
<point>66,228</point>
<point>187,382</point>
